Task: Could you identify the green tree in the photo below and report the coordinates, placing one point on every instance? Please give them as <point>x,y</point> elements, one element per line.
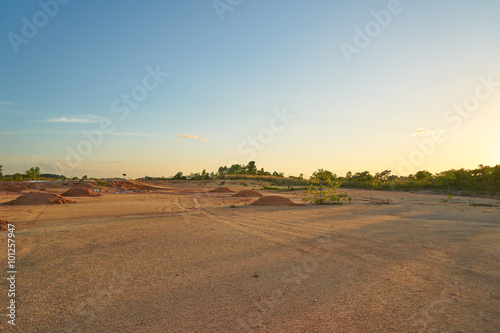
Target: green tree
<point>100,183</point>
<point>17,177</point>
<point>1,174</point>
<point>33,173</point>
<point>382,176</point>
<point>251,168</point>
<point>423,175</point>
<point>446,179</point>
<point>323,176</point>
<point>179,176</point>
<point>235,169</point>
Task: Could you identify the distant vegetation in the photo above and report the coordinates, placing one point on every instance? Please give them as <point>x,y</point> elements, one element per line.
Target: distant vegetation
<point>483,179</point>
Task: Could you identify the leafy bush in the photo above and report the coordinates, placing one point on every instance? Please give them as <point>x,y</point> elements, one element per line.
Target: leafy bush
<point>322,194</point>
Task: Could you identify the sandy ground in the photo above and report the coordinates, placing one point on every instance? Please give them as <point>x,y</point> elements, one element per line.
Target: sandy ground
<point>179,259</point>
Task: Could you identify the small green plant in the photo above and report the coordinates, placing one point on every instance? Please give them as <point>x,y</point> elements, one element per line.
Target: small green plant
<point>270,188</point>
<point>324,193</point>
<point>448,197</point>
<point>100,183</point>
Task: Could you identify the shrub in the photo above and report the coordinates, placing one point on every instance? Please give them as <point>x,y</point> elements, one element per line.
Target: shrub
<point>322,194</point>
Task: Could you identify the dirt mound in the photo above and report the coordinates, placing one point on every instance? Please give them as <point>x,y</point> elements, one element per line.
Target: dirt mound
<point>80,192</point>
<point>129,185</point>
<point>222,190</point>
<point>135,185</point>
<point>90,184</point>
<point>248,194</point>
<point>14,186</point>
<point>39,199</point>
<point>274,200</point>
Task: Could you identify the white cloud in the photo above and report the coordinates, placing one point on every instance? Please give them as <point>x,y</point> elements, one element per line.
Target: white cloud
<point>421,131</point>
<point>71,120</point>
<point>145,135</point>
<point>5,102</point>
<point>188,136</point>
<point>191,136</point>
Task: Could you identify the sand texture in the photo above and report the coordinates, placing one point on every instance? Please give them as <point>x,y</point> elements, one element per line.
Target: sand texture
<point>183,259</point>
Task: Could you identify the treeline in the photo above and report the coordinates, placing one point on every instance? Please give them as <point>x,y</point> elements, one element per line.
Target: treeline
<point>481,179</point>
<point>238,170</point>
<point>34,174</point>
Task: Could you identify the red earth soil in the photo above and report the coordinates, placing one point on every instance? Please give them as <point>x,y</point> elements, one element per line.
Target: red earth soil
<point>248,194</point>
<point>222,190</point>
<point>274,200</point>
<point>129,185</point>
<point>39,199</point>
<point>17,187</point>
<point>3,225</point>
<point>91,184</point>
<point>80,192</point>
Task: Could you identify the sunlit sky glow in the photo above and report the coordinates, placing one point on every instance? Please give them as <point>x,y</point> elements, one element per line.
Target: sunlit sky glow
<point>271,82</point>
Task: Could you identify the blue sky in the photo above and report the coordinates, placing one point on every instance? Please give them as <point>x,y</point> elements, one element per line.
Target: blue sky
<point>226,71</point>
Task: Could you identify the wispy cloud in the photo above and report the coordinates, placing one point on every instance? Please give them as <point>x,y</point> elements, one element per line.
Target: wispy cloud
<point>419,96</point>
<point>421,131</point>
<point>90,119</point>
<point>188,136</point>
<point>39,132</point>
<point>5,102</point>
<point>145,135</point>
<point>191,136</point>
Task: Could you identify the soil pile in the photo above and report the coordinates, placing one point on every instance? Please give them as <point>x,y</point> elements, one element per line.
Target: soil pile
<point>274,200</point>
<point>14,186</point>
<point>39,199</point>
<point>91,184</point>
<point>248,194</point>
<point>222,190</point>
<point>80,192</point>
<point>3,225</point>
<point>129,185</point>
<point>135,186</point>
